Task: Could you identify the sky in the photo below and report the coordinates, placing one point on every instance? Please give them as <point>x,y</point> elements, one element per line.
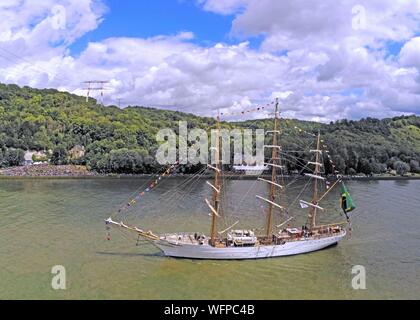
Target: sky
<point>324,60</point>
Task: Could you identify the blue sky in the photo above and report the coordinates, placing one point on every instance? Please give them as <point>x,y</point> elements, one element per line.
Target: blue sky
<point>145,19</point>
<point>201,55</point>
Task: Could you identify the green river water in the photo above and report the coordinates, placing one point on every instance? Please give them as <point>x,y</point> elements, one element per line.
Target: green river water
<point>47,222</point>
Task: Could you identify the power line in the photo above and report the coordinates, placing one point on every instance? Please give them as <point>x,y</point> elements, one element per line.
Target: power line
<point>119,102</point>
<point>100,86</point>
<point>30,64</point>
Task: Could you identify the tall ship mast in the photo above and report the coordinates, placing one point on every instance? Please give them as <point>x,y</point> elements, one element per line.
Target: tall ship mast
<point>216,189</point>
<point>274,158</point>
<point>317,177</point>
<point>276,240</point>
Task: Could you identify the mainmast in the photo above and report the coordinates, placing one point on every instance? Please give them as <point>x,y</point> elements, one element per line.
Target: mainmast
<point>313,209</point>
<point>273,182</point>
<point>274,158</point>
<point>215,206</point>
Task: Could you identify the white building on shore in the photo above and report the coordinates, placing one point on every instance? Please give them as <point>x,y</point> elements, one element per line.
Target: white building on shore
<point>31,154</point>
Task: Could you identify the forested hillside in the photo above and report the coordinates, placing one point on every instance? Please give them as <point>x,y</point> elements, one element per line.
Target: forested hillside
<point>366,146</point>
<point>123,140</point>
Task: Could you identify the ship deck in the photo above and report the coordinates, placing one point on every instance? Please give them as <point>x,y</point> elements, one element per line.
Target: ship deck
<point>279,238</point>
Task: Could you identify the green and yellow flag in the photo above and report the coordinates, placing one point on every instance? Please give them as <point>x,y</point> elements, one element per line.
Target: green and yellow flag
<point>346,202</point>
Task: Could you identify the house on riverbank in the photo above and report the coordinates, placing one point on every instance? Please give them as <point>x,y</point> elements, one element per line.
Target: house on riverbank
<point>77,152</point>
<point>28,158</point>
<point>33,156</point>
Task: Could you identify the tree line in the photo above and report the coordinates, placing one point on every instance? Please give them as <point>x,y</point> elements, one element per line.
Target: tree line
<point>123,140</point>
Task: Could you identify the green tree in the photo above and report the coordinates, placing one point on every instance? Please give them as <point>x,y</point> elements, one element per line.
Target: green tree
<point>125,161</point>
<point>364,166</point>
<point>13,157</point>
<point>59,155</point>
<point>48,119</point>
<point>401,167</point>
<point>351,171</point>
<point>414,166</point>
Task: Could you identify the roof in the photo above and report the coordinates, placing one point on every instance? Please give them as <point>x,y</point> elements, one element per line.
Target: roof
<point>78,148</point>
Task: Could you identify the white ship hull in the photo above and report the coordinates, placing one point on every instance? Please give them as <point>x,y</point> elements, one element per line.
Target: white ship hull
<point>194,251</point>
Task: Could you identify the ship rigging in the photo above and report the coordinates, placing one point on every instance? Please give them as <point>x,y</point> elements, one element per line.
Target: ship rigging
<point>275,240</point>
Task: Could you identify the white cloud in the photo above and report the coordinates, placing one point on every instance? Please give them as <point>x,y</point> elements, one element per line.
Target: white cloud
<point>410,53</point>
<point>223,7</point>
<point>311,57</point>
<point>34,37</point>
<point>330,54</point>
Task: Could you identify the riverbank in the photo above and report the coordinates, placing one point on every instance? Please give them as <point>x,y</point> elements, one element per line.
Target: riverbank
<point>46,171</point>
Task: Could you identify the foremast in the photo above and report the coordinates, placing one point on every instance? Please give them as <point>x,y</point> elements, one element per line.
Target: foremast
<point>274,158</point>
<point>215,206</point>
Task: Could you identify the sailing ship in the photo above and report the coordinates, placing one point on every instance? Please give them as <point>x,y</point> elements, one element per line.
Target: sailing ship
<point>276,241</point>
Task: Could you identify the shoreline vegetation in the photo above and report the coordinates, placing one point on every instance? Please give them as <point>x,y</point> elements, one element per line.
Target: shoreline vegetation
<point>48,126</point>
<point>47,171</point>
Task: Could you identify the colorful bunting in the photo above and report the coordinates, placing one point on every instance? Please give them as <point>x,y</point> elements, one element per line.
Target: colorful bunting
<point>152,185</point>
<point>324,146</point>
<point>259,108</point>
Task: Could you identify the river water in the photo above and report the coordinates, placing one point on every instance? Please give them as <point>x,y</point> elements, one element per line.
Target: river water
<point>48,222</point>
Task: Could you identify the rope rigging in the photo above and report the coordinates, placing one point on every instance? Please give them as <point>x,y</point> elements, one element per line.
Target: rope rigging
<point>180,194</point>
